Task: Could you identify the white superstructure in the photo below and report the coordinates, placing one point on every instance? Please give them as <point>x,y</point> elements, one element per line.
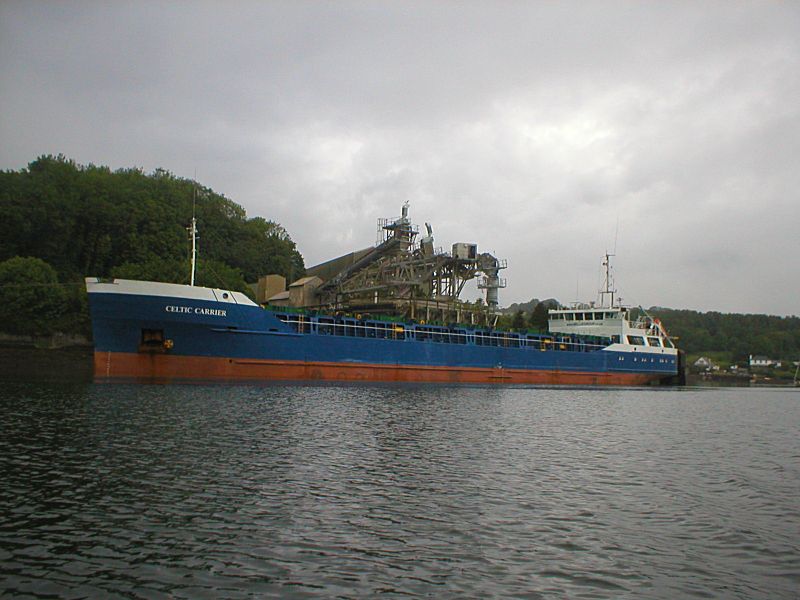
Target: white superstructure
<point>645,334</point>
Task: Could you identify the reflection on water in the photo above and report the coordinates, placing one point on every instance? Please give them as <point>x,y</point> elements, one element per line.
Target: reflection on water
<point>301,491</point>
<point>72,365</point>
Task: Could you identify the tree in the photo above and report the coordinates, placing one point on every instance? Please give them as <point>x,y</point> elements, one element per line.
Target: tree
<point>519,321</point>
<point>539,317</point>
<point>88,220</point>
<point>154,268</point>
<point>216,274</point>
<point>31,299</point>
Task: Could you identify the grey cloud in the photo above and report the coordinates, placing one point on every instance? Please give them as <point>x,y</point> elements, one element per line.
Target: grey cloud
<point>533,129</point>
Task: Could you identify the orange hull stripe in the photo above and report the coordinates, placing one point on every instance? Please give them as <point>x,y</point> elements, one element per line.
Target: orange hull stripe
<point>166,368</point>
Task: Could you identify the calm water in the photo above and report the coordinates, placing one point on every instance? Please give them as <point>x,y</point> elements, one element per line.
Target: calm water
<point>443,492</point>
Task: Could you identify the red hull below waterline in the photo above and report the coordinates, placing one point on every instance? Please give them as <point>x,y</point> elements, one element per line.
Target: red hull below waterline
<point>109,366</point>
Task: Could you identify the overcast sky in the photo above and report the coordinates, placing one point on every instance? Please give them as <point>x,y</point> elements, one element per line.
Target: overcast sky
<point>546,132</point>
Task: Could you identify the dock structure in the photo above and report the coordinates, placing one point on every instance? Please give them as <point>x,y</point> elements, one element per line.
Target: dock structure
<point>405,276</point>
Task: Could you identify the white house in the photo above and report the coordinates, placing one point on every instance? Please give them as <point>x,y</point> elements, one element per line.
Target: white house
<point>704,364</point>
<point>763,362</point>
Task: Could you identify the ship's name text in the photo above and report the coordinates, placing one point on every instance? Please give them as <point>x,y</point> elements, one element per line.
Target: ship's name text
<point>213,312</point>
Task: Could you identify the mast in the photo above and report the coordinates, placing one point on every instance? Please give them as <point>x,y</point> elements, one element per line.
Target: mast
<point>609,283</point>
<point>193,235</point>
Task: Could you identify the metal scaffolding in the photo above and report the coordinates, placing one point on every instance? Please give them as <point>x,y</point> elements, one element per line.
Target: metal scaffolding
<point>411,279</point>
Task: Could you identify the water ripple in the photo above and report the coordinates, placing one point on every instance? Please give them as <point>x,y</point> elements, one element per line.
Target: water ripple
<point>305,492</point>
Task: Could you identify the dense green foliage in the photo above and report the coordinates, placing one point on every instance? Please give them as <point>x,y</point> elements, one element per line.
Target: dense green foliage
<point>527,316</point>
<point>737,334</point>
<point>91,221</point>
<point>32,301</point>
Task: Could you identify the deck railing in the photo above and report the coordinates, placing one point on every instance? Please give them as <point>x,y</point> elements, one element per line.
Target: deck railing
<point>351,327</point>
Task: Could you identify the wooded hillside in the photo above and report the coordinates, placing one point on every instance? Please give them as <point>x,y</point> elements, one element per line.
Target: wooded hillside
<point>92,221</point>
<point>740,335</point>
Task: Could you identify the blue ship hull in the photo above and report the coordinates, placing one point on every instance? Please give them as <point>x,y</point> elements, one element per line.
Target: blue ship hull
<point>171,336</point>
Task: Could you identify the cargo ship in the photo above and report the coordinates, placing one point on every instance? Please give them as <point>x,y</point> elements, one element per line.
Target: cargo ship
<point>166,332</point>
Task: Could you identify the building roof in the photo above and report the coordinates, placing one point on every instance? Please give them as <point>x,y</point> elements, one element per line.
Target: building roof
<point>305,281</point>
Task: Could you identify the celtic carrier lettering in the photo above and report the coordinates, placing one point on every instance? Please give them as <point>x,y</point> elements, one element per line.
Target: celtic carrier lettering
<point>213,312</point>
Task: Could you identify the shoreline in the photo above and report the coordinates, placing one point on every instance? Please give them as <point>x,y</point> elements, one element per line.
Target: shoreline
<point>50,341</point>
